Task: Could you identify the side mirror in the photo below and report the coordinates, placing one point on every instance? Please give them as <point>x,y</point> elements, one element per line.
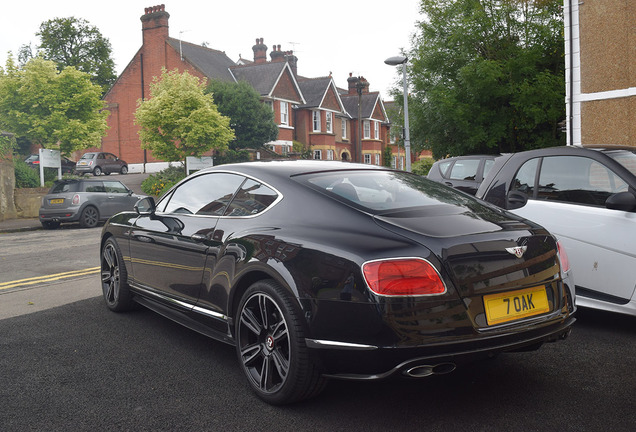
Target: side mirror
<point>625,201</point>
<point>515,200</point>
<point>146,206</point>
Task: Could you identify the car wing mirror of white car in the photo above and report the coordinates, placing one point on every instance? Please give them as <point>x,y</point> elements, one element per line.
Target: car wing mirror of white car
<point>625,201</point>
<point>515,200</point>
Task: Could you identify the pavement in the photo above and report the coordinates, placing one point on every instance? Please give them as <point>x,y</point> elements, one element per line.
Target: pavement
<point>133,181</point>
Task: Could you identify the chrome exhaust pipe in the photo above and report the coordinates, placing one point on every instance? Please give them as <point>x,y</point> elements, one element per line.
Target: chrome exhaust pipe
<point>422,371</point>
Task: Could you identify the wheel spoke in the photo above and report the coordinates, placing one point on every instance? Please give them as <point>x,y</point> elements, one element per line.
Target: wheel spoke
<point>265,379</point>
<point>280,331</point>
<point>250,321</point>
<point>262,303</point>
<point>250,353</point>
<point>281,363</point>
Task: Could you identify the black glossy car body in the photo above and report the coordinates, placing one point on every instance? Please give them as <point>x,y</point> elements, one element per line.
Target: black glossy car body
<point>462,172</point>
<point>87,201</point>
<point>316,269</point>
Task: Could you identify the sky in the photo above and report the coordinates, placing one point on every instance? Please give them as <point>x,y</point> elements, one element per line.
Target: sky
<point>337,36</point>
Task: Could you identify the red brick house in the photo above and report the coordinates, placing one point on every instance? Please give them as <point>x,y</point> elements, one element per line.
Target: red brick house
<point>312,111</point>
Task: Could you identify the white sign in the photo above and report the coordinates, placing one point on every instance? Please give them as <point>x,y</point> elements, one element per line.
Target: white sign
<point>50,159</point>
<point>197,163</point>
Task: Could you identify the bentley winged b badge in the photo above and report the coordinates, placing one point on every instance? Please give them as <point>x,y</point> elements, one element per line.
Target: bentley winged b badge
<point>517,251</point>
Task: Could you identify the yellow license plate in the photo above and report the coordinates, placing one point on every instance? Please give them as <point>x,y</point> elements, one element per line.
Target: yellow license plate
<point>513,305</point>
<point>57,201</point>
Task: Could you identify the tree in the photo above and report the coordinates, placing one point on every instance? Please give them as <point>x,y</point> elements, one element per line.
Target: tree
<point>252,121</point>
<point>179,119</point>
<point>52,109</point>
<point>74,42</point>
<point>488,76</point>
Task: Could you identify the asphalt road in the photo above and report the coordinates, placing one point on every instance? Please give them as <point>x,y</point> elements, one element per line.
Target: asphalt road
<point>68,363</point>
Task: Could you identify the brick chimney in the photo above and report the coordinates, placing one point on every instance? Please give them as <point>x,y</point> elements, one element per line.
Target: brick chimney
<point>154,24</point>
<point>293,61</point>
<point>277,55</point>
<point>353,84</point>
<point>260,51</point>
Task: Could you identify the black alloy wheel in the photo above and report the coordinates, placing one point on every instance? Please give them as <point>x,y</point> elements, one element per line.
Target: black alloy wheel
<point>115,278</point>
<point>89,217</point>
<point>271,346</point>
<point>97,171</point>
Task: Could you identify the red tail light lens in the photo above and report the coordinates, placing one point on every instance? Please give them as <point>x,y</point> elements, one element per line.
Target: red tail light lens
<point>563,258</point>
<point>76,199</point>
<point>403,277</point>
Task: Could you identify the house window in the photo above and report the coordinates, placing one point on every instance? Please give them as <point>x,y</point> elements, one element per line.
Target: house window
<point>376,130</point>
<point>394,162</point>
<point>329,122</point>
<point>367,129</point>
<point>367,158</point>
<point>318,154</point>
<point>343,124</point>
<point>377,159</point>
<point>329,154</point>
<point>270,104</point>
<point>284,114</point>
<point>316,120</point>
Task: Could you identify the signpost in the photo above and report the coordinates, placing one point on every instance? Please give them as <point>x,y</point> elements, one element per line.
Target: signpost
<point>50,159</point>
<point>197,163</point>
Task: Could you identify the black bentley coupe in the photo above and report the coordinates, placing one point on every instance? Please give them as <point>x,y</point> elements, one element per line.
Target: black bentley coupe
<point>318,270</point>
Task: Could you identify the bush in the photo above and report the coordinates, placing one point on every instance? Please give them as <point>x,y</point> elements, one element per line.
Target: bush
<point>160,183</point>
<point>25,176</point>
<point>422,167</point>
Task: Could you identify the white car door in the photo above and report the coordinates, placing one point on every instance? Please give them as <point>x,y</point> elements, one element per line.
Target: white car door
<point>600,243</point>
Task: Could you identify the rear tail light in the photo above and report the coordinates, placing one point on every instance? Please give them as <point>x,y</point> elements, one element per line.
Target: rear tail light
<point>76,199</point>
<point>403,277</point>
<point>563,258</point>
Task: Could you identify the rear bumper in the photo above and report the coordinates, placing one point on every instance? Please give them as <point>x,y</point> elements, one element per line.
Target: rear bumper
<point>367,362</point>
<point>59,215</point>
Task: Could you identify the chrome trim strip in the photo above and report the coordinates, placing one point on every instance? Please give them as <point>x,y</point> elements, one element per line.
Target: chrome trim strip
<point>210,313</point>
<point>167,299</point>
<point>327,344</point>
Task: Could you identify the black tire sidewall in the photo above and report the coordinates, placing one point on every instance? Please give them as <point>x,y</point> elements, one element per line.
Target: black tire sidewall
<point>124,301</point>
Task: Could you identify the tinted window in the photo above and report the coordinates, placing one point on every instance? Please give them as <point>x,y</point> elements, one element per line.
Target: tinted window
<point>251,199</point>
<point>380,191</point>
<point>443,167</point>
<point>465,169</point>
<point>115,187</point>
<point>524,180</point>
<point>207,194</point>
<point>93,187</point>
<point>576,179</point>
<point>88,156</point>
<point>64,187</point>
<point>625,158</point>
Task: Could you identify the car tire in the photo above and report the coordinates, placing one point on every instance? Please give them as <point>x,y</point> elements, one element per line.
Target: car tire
<point>97,171</point>
<point>270,345</point>
<point>124,170</point>
<point>89,217</point>
<point>50,225</point>
<point>114,278</point>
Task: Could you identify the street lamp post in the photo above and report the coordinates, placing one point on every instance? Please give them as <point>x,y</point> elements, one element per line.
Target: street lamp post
<point>394,61</point>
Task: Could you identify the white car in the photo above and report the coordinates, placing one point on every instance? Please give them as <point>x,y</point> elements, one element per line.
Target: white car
<point>586,197</point>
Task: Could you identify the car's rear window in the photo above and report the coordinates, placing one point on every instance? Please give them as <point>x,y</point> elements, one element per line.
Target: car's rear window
<point>380,191</point>
<point>88,156</point>
<point>65,187</point>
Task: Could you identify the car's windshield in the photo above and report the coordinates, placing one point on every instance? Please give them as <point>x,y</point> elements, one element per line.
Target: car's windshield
<point>625,158</point>
<point>381,191</point>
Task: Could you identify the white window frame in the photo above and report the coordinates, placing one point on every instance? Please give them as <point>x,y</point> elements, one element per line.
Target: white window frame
<point>377,159</point>
<point>367,158</point>
<point>330,154</point>
<point>317,154</point>
<point>343,125</point>
<point>329,121</point>
<point>284,113</point>
<point>315,120</point>
<point>366,125</point>
<point>376,129</point>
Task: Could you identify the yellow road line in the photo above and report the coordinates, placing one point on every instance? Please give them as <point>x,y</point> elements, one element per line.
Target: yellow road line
<point>48,278</point>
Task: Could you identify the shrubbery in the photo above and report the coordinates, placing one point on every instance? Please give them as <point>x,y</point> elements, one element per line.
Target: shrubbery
<point>160,183</point>
<point>422,167</point>
<point>25,176</point>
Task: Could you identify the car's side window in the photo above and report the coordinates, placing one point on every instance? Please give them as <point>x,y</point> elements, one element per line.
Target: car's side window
<point>251,199</point>
<point>575,179</point>
<point>465,169</point>
<point>207,194</point>
<point>94,187</point>
<point>115,187</point>
<point>525,177</point>
<point>488,163</point>
<point>443,167</point>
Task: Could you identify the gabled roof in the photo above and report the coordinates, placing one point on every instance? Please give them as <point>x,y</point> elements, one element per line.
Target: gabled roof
<point>212,63</point>
<point>368,103</point>
<point>315,90</point>
<point>264,77</point>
